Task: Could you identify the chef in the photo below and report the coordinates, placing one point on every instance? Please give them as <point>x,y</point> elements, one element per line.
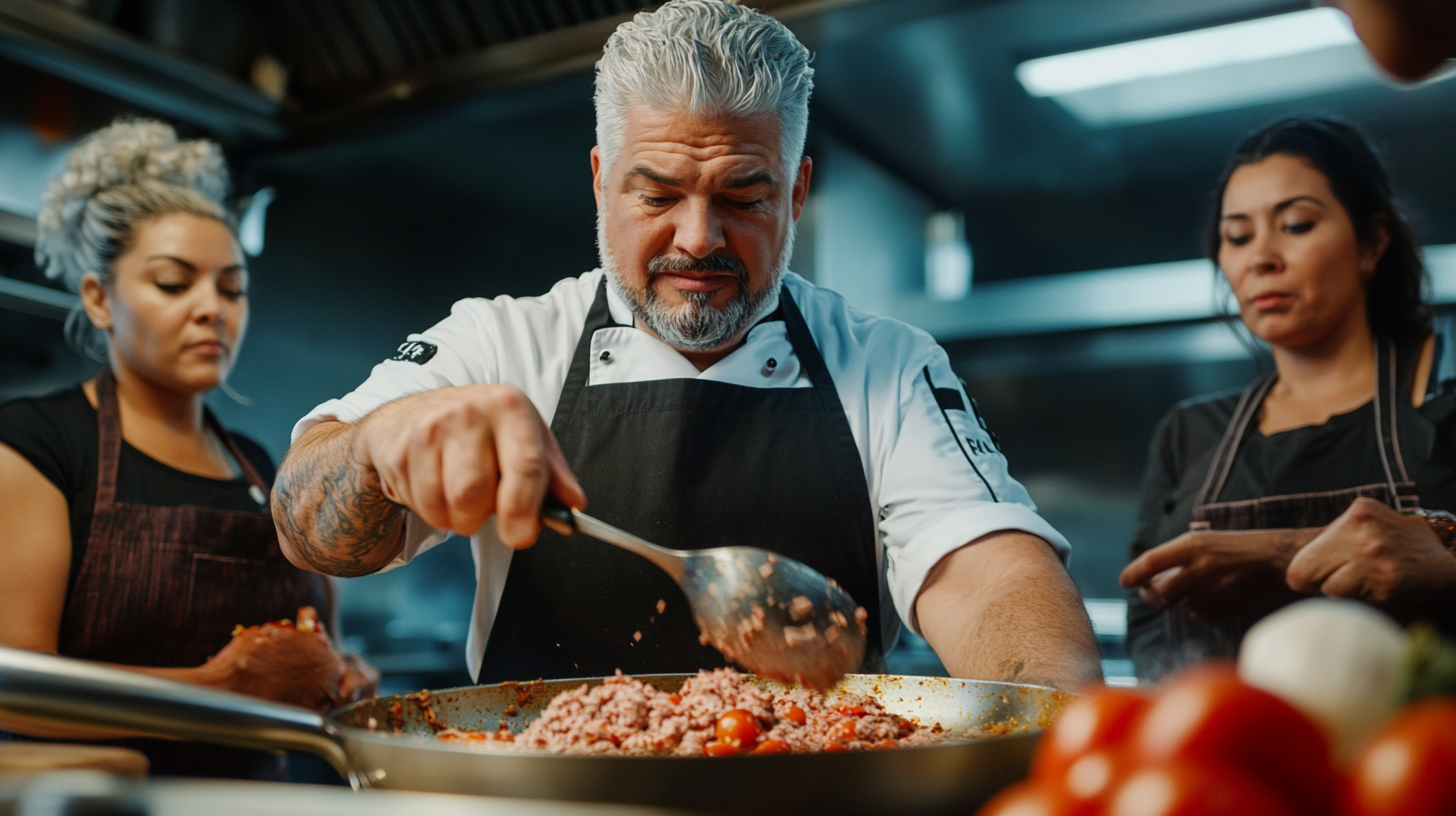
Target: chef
<point>701,395</point>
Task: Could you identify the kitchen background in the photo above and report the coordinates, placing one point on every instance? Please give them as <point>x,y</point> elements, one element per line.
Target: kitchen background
<point>1043,221</point>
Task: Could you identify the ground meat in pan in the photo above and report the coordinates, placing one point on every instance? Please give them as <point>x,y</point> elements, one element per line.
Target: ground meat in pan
<point>623,716</point>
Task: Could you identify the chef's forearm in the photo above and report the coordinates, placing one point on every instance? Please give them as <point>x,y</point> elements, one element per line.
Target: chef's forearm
<point>331,513</point>
<point>1004,608</point>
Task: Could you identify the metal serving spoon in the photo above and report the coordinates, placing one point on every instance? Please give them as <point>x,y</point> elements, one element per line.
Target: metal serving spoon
<point>769,614</point>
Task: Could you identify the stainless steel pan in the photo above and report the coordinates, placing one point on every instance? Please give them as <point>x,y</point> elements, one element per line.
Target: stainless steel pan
<point>387,742</point>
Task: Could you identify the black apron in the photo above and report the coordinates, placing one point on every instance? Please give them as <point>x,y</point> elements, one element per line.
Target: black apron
<point>1190,639</point>
<point>688,464</point>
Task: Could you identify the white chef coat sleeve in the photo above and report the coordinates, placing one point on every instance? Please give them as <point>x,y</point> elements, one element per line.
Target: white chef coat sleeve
<point>945,483</point>
<point>458,350</point>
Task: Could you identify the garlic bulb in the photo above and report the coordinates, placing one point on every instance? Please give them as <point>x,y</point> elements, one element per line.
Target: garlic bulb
<point>1340,662</point>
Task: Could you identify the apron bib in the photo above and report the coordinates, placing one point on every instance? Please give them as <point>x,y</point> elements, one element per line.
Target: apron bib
<point>164,586</point>
<point>1191,639</point>
<point>688,464</point>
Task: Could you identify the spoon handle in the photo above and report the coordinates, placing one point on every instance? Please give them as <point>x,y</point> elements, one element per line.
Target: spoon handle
<point>568,521</point>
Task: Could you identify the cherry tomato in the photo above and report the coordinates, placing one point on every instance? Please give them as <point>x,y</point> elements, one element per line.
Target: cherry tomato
<point>739,729</point>
<point>772,746</point>
<point>851,711</point>
<point>796,715</point>
<point>1088,780</point>
<point>1194,788</point>
<point>718,749</point>
<point>1031,799</point>
<point>1207,713</point>
<point>1097,720</point>
<point>1409,768</point>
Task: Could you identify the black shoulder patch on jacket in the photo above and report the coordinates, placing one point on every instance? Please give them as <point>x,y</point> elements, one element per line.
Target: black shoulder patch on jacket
<point>415,351</point>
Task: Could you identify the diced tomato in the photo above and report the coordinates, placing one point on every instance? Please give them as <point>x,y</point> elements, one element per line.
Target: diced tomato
<point>796,715</point>
<point>718,749</point>
<point>739,729</point>
<point>844,731</point>
<point>1098,720</point>
<point>772,746</point>
<point>886,743</point>
<point>1208,714</point>
<point>1185,787</point>
<point>851,711</point>
<point>675,699</point>
<point>1409,768</point>
<point>833,747</point>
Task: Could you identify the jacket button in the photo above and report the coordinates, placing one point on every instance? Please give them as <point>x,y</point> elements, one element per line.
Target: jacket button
<point>768,367</point>
<point>606,357</point>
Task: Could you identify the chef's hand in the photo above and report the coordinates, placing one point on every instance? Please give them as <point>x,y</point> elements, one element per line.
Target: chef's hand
<point>455,456</point>
<point>287,664</point>
<point>1390,560</point>
<point>1217,574</point>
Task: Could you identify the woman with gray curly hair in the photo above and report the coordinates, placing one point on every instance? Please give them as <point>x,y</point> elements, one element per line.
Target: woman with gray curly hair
<point>136,529</point>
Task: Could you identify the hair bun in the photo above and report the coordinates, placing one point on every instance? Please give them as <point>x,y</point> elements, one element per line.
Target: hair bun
<point>136,159</point>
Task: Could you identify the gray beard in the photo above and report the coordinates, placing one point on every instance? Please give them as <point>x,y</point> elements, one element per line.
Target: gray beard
<point>696,325</point>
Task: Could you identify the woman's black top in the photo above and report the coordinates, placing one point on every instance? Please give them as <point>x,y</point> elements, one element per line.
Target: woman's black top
<point>1341,453</point>
<point>57,434</point>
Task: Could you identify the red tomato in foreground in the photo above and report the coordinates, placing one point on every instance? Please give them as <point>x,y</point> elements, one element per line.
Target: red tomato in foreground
<point>738,728</point>
<point>1409,768</point>
<point>1097,720</point>
<point>1208,714</point>
<point>1089,779</point>
<point>1189,788</point>
<point>1031,799</point>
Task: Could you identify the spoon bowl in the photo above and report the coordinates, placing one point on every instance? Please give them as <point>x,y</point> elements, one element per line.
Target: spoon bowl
<point>771,615</point>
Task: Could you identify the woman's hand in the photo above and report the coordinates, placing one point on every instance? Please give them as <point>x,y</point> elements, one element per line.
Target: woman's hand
<point>290,663</point>
<point>1389,560</point>
<point>1218,574</point>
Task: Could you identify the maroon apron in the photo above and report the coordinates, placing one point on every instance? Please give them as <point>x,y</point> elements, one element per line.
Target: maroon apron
<point>164,587</point>
<point>1190,639</point>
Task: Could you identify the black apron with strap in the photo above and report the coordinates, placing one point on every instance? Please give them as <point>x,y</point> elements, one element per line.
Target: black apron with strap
<point>688,464</point>
<point>1191,639</point>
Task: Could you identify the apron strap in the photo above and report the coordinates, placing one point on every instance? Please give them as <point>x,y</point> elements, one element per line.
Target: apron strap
<point>599,316</point>
<point>108,441</point>
<point>1223,457</point>
<point>1387,392</point>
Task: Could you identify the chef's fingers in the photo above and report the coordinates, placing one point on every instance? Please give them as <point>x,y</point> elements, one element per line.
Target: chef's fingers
<point>422,488</point>
<point>522,444</point>
<point>1172,585</point>
<point>1175,553</point>
<point>469,477</point>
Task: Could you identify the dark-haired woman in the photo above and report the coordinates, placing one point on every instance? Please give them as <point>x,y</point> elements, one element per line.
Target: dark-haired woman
<point>134,529</point>
<point>1348,431</point>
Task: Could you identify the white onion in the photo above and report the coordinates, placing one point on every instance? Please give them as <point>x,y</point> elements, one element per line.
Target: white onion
<point>1340,662</point>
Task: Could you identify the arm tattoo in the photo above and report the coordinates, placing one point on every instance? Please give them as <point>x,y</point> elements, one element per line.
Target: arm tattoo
<point>333,511</point>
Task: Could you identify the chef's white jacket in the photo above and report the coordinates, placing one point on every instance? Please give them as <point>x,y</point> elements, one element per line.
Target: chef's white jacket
<point>933,472</point>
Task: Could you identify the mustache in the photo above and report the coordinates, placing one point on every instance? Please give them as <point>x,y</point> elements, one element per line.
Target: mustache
<point>664,264</point>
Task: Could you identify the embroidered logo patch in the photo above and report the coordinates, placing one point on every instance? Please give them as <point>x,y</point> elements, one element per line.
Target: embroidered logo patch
<point>415,351</point>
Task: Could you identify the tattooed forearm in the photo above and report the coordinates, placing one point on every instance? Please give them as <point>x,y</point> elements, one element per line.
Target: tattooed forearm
<point>330,511</point>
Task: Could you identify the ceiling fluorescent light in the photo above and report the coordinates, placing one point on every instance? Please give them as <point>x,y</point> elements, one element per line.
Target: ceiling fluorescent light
<point>1229,66</point>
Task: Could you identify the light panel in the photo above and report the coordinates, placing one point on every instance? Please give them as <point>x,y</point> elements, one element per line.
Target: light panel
<point>1286,56</point>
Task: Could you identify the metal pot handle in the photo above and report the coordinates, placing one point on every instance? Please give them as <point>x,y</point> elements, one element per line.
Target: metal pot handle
<point>66,691</point>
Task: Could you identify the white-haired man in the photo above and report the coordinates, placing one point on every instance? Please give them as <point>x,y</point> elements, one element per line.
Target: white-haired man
<point>701,395</point>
